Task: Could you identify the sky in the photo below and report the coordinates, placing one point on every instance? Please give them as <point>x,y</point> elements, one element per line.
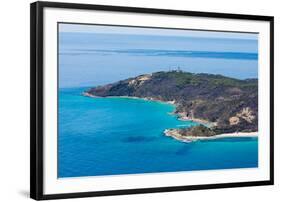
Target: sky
<point>82,28</point>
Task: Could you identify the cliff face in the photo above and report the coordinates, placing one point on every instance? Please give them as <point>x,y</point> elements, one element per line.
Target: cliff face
<point>231,104</point>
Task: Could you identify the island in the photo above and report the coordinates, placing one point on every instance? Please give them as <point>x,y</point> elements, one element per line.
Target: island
<point>222,106</point>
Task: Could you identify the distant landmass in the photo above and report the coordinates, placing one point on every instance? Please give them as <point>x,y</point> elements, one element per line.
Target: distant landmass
<point>220,104</point>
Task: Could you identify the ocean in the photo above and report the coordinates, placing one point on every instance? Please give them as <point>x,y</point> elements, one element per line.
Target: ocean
<point>113,136</point>
<point>91,59</point>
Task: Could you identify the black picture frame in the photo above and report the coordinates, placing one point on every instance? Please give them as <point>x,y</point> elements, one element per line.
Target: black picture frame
<point>37,101</point>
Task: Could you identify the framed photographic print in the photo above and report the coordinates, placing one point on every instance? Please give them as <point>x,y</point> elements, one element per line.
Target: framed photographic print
<point>136,100</point>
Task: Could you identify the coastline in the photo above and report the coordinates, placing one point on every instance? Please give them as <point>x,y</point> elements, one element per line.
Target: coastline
<point>131,97</point>
<point>88,95</point>
<point>183,117</point>
<point>174,134</point>
<point>180,116</point>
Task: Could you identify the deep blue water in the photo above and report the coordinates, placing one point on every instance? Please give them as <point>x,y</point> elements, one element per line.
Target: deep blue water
<point>90,59</point>
<point>109,136</point>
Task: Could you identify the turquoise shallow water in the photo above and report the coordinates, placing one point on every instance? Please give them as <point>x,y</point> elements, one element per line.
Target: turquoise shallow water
<point>110,136</point>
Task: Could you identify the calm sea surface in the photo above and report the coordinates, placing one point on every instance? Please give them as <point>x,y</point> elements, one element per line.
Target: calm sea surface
<point>90,59</point>
<point>109,136</point>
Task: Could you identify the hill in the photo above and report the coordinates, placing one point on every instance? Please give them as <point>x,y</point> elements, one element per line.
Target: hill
<point>222,103</point>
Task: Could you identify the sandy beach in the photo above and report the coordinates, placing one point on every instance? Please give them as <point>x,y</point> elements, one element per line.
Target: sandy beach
<point>131,97</point>
<point>174,134</point>
<point>88,94</point>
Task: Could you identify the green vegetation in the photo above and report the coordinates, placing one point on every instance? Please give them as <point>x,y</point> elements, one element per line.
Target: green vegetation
<point>197,131</point>
<point>231,103</point>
